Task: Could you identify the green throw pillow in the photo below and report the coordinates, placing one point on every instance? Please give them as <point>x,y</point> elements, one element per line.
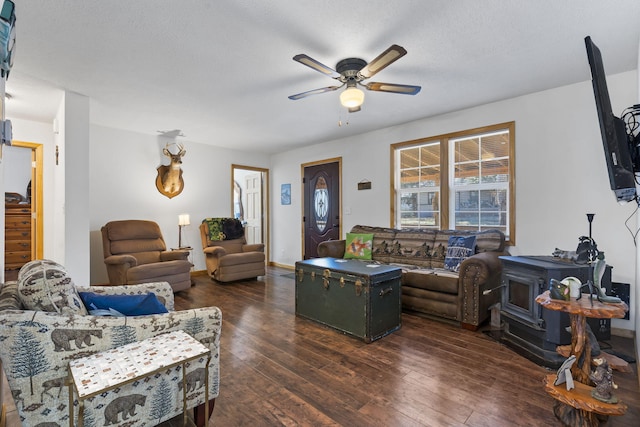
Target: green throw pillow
<point>358,246</point>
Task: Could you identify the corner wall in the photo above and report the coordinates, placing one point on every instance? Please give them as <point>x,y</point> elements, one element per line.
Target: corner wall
<point>122,174</point>
<point>560,175</point>
<point>76,136</point>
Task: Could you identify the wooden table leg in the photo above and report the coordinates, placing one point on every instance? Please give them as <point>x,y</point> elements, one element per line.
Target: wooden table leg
<point>581,348</point>
<point>572,417</point>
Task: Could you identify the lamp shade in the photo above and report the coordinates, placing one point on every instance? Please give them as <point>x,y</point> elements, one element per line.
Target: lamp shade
<point>352,97</point>
<point>183,219</point>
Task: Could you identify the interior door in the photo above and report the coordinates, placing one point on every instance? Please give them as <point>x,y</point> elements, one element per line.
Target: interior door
<point>32,169</point>
<point>250,202</point>
<point>253,208</point>
<point>321,205</point>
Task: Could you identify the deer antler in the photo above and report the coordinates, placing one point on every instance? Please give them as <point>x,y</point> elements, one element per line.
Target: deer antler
<point>181,151</point>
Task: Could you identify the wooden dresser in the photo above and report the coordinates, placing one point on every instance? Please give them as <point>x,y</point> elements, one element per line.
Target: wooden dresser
<point>18,233</point>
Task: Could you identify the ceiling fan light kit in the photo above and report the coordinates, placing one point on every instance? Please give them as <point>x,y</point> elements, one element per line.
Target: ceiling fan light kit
<point>351,72</point>
<point>352,97</point>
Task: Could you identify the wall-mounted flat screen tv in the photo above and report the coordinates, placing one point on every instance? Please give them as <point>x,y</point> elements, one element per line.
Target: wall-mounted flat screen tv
<point>614,134</point>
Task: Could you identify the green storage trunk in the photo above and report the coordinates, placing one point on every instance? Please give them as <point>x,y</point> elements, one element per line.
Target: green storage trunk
<point>357,297</point>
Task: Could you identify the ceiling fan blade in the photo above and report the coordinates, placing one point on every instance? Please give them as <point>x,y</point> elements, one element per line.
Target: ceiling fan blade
<point>312,63</point>
<point>386,58</point>
<point>393,88</point>
<point>314,92</point>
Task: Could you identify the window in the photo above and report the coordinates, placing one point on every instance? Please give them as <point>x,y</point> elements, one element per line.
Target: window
<point>461,181</point>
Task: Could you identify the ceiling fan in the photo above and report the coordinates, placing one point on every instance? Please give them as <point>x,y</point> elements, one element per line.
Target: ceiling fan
<point>351,72</point>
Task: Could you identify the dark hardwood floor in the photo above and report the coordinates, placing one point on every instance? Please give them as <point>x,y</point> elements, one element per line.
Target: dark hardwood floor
<point>278,369</point>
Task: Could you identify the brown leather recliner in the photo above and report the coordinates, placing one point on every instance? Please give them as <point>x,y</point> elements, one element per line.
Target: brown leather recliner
<point>135,252</point>
<point>233,259</point>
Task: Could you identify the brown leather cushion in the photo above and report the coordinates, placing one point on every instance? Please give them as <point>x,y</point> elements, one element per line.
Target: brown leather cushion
<point>132,229</point>
<point>143,239</point>
<point>382,240</point>
<point>158,270</point>
<point>241,258</point>
<point>432,280</point>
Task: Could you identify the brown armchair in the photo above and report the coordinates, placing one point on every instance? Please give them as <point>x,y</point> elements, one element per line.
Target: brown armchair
<point>229,259</point>
<point>135,252</point>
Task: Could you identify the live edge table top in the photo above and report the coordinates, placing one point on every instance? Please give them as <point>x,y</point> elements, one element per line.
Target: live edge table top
<point>585,306</point>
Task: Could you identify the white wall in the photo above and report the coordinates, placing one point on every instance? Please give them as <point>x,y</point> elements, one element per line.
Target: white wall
<point>17,169</point>
<point>561,175</point>
<point>123,170</point>
<point>74,127</point>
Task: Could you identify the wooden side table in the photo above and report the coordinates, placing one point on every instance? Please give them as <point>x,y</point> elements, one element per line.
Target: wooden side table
<point>577,407</point>
<point>109,369</point>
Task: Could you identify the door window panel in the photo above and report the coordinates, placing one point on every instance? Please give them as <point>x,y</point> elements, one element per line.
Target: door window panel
<point>321,204</point>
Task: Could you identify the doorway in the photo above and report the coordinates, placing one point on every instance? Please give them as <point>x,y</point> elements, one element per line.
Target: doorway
<point>23,184</point>
<point>322,201</point>
<point>250,202</point>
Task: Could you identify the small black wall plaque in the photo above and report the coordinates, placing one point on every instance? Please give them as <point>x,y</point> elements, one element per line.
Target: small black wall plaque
<point>364,185</point>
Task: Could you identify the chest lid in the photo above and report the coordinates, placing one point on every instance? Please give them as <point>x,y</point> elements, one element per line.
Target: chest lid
<point>351,266</point>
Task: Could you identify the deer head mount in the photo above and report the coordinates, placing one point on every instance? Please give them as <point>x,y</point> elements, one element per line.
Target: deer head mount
<point>169,181</point>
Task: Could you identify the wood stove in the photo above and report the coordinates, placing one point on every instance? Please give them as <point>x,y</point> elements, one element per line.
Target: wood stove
<point>530,329</point>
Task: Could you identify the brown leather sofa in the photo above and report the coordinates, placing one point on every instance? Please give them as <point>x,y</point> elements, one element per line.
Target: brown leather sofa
<point>427,288</point>
<point>231,259</point>
<point>135,252</point>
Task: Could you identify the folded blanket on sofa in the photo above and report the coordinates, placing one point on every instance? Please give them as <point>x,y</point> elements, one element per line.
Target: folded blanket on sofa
<point>224,228</point>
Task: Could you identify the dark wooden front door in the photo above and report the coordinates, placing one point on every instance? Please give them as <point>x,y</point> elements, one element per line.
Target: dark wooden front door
<point>321,206</point>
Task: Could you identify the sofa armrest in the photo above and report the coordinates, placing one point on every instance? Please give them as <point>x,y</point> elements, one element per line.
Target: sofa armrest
<point>117,267</point>
<point>479,273</point>
<point>121,259</point>
<point>214,251</point>
<point>174,255</point>
<point>331,248</point>
<point>254,247</point>
<point>162,290</point>
<point>9,297</point>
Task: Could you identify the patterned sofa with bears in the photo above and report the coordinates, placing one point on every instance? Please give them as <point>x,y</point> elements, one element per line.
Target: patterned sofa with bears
<point>462,294</point>
<point>36,347</point>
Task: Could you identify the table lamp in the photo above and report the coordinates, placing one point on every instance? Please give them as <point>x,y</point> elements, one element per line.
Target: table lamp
<point>183,219</point>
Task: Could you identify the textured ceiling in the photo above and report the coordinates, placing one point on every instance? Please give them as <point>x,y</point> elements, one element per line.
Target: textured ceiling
<point>221,71</point>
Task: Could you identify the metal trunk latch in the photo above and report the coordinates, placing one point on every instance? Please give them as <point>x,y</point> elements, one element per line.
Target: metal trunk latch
<point>325,278</point>
<point>358,287</point>
<point>342,282</point>
<point>300,274</point>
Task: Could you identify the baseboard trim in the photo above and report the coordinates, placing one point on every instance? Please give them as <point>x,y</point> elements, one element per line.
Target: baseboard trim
<point>197,273</point>
<point>625,333</point>
<point>276,264</point>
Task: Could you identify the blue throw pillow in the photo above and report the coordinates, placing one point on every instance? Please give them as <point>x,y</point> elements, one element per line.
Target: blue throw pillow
<point>129,305</point>
<point>459,248</point>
